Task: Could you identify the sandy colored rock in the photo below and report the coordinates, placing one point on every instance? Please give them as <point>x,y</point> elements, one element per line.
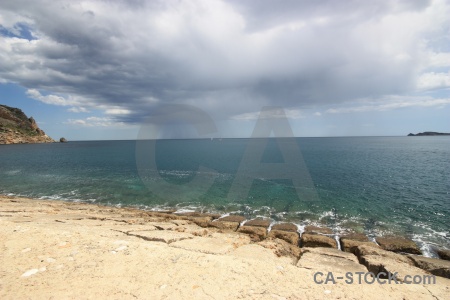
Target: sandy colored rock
<point>256,252</point>
<point>351,245</point>
<point>398,244</point>
<point>232,218</point>
<point>444,254</point>
<point>329,260</point>
<point>355,237</point>
<point>366,250</point>
<point>258,223</point>
<point>199,215</point>
<point>285,227</point>
<point>350,242</point>
<point>201,221</point>
<point>256,233</point>
<point>288,236</point>
<point>161,236</point>
<point>205,245</point>
<point>378,260</point>
<point>233,226</point>
<point>281,248</point>
<point>438,267</point>
<point>97,259</point>
<point>316,240</point>
<point>315,229</point>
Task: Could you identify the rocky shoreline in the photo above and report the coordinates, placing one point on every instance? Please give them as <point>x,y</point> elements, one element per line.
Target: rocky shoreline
<point>17,128</point>
<point>52,248</point>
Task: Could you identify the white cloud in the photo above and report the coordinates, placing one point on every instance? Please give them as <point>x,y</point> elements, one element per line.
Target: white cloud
<point>227,57</point>
<point>78,109</point>
<point>396,103</point>
<point>49,99</point>
<point>434,80</point>
<point>272,114</point>
<point>117,111</point>
<point>95,122</point>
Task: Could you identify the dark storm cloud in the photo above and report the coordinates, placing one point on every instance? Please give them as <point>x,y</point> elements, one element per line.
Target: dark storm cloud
<point>225,57</point>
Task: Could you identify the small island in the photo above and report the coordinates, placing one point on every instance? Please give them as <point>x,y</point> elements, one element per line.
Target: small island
<point>428,133</point>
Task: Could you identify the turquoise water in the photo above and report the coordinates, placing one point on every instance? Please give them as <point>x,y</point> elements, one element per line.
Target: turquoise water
<point>375,185</point>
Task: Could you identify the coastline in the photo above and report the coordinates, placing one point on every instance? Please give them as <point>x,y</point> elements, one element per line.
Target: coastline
<point>79,250</point>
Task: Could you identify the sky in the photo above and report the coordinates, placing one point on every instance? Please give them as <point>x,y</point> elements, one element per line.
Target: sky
<point>94,70</point>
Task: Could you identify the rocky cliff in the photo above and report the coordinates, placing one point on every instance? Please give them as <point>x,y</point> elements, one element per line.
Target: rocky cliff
<point>17,128</point>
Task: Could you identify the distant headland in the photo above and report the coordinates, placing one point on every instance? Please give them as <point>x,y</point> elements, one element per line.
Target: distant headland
<point>428,133</point>
<point>17,128</point>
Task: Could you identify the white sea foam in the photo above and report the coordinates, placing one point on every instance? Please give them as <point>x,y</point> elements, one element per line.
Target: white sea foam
<point>13,172</point>
<point>184,210</point>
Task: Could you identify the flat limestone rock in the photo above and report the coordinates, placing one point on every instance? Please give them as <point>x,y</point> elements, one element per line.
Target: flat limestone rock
<point>288,236</point>
<point>356,237</point>
<point>329,260</point>
<point>282,248</point>
<point>330,252</point>
<point>254,251</point>
<point>209,245</point>
<point>315,229</point>
<point>161,235</point>
<point>285,227</point>
<point>316,240</point>
<point>348,245</point>
<point>256,233</point>
<point>163,225</point>
<point>435,266</point>
<point>258,223</point>
<point>224,225</point>
<point>233,218</point>
<point>377,264</point>
<point>366,250</point>
<point>199,215</point>
<point>378,260</point>
<point>201,221</point>
<point>398,244</point>
<point>444,254</point>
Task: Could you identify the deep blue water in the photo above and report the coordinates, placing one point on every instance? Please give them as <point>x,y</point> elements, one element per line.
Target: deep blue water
<point>375,185</point>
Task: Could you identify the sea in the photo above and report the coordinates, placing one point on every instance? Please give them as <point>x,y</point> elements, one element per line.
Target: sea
<point>372,185</point>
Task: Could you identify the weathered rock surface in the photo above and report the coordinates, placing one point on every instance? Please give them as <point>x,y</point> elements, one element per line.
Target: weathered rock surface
<point>17,128</point>
<point>285,227</point>
<point>329,260</point>
<point>282,248</point>
<point>224,225</point>
<point>256,233</point>
<point>204,245</point>
<point>350,242</point>
<point>199,215</point>
<point>356,237</point>
<point>232,218</point>
<point>317,240</point>
<point>398,244</point>
<point>62,140</point>
<point>348,245</point>
<point>258,223</point>
<point>378,260</point>
<point>444,254</point>
<point>201,219</point>
<point>164,236</point>
<point>288,236</point>
<point>93,248</point>
<point>320,230</point>
<point>438,267</point>
<point>365,250</point>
